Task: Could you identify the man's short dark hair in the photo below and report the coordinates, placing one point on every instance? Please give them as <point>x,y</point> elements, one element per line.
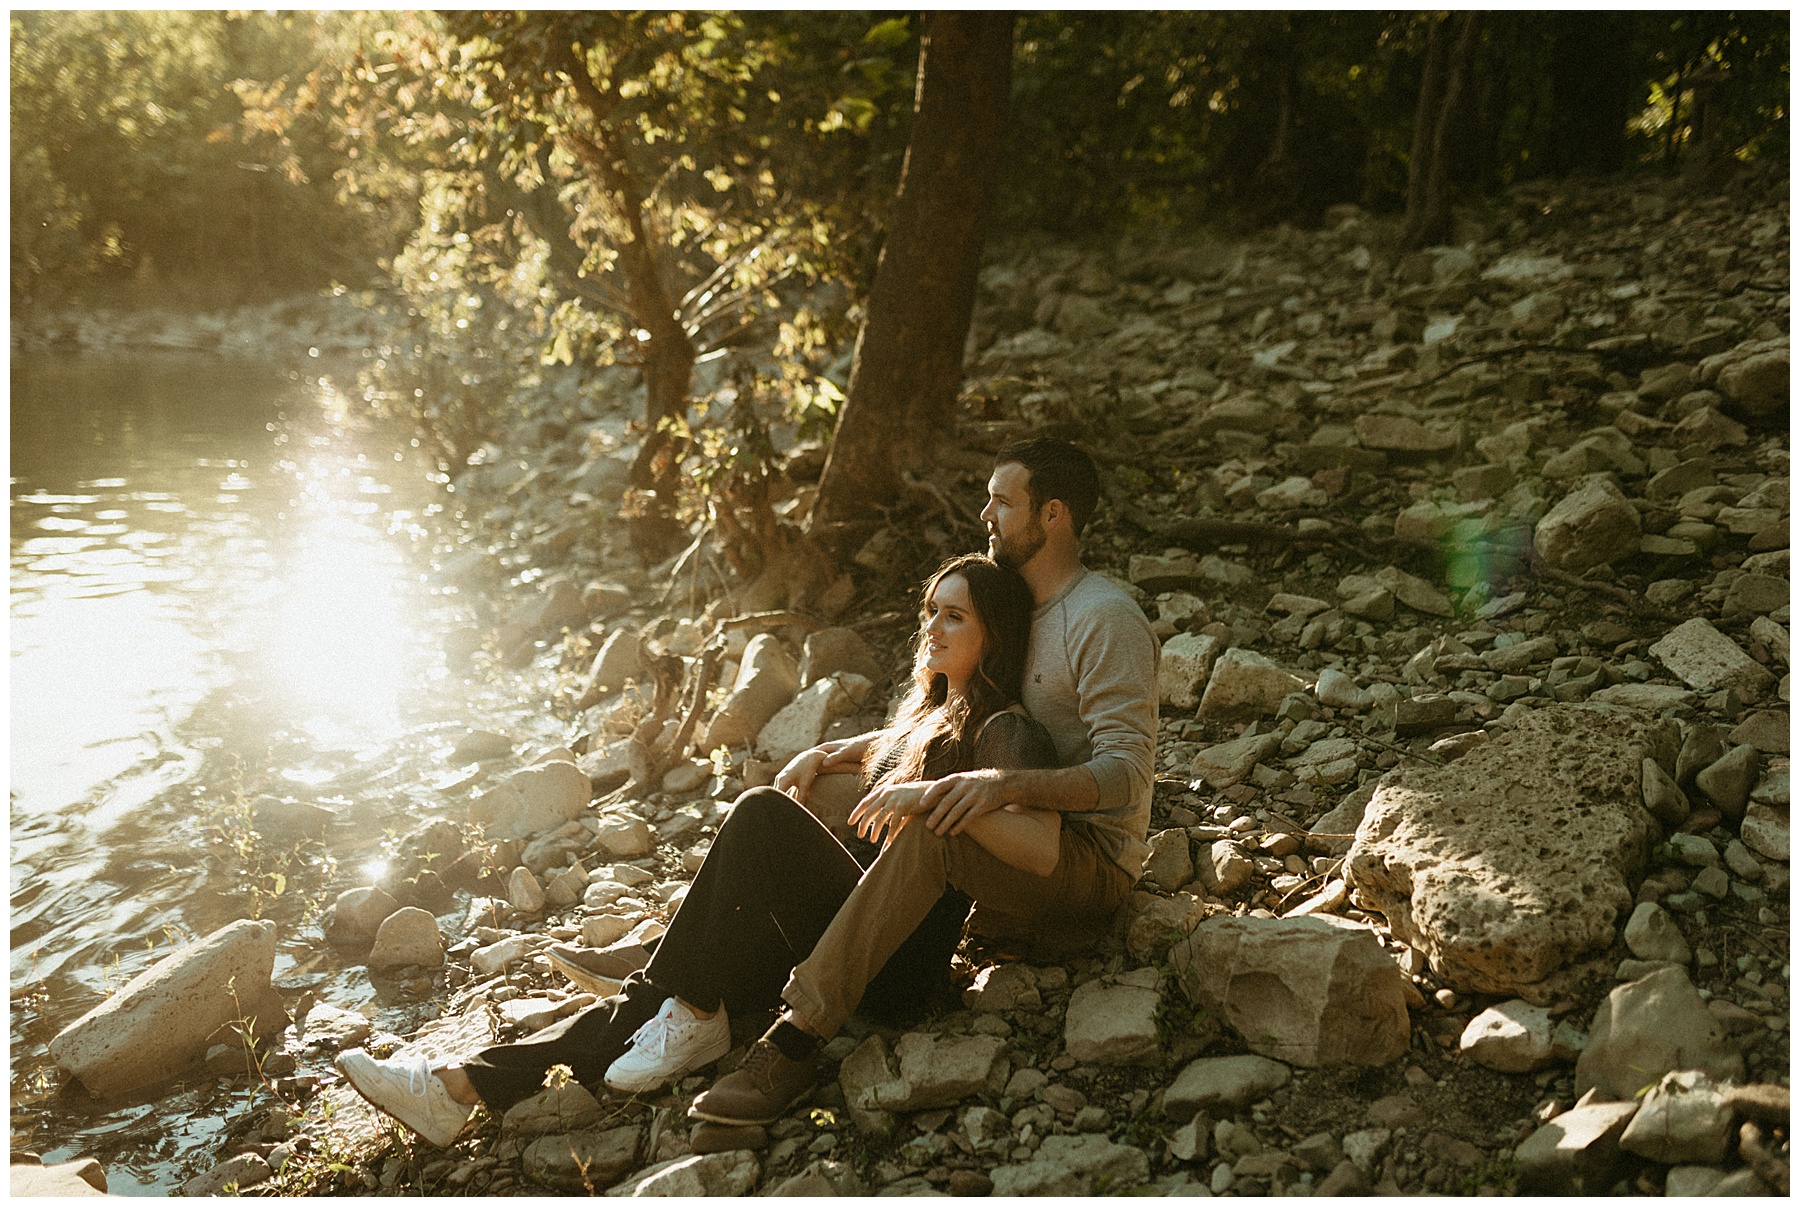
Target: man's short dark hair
<point>1058,470</point>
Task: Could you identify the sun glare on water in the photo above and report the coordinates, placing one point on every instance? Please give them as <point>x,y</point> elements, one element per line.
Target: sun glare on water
<point>339,629</point>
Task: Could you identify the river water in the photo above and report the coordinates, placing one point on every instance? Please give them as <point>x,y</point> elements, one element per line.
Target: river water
<point>221,587</point>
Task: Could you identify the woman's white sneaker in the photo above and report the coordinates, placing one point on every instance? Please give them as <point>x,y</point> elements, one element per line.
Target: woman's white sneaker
<point>671,1044</point>
<point>409,1091</point>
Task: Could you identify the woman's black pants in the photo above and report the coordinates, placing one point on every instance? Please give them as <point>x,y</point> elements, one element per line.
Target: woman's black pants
<point>772,883</point>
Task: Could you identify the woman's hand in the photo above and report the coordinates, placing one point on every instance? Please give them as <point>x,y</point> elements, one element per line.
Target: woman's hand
<point>846,754</point>
<point>888,808</point>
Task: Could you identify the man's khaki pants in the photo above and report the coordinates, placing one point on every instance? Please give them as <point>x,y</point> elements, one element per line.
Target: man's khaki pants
<point>898,890</point>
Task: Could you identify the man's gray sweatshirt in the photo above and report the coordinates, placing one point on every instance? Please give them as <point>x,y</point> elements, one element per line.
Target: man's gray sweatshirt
<point>1090,679</point>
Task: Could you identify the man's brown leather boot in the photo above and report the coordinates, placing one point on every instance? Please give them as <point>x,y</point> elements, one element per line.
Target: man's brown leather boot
<point>761,1089</point>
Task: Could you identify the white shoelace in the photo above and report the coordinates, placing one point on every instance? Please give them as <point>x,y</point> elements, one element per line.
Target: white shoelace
<point>656,1030</point>
<point>418,1075</point>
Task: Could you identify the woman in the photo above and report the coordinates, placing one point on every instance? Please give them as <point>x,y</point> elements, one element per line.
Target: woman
<point>776,877</point>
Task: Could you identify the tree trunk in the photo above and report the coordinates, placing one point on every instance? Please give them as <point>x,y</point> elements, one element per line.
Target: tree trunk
<point>1593,90</point>
<point>668,354</point>
<point>1428,183</point>
<point>1431,91</point>
<point>907,365</point>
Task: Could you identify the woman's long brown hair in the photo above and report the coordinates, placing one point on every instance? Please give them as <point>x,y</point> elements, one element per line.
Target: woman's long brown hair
<point>929,723</point>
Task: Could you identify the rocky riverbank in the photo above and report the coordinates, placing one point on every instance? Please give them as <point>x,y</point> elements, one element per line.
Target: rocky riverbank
<point>1470,841</point>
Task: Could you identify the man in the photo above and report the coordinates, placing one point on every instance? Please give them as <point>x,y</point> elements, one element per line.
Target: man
<point>1089,681</point>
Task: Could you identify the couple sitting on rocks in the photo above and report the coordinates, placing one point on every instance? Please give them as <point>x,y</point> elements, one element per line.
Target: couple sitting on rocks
<point>1018,771</point>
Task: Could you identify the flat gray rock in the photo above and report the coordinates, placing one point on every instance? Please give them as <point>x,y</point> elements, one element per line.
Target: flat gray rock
<point>1704,658</point>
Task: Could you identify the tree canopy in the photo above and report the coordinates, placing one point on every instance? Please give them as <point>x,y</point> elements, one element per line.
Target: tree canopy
<point>666,190</point>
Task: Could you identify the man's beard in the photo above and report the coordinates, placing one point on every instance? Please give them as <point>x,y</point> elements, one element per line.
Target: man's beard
<point>1017,550</point>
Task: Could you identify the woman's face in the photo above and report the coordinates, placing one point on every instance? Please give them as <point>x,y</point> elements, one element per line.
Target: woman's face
<point>953,634</point>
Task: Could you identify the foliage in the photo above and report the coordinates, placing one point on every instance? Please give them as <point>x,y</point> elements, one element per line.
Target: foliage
<point>1122,118</point>
<point>131,162</point>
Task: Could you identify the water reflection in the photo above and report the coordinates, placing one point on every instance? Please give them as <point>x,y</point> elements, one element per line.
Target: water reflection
<point>218,589</point>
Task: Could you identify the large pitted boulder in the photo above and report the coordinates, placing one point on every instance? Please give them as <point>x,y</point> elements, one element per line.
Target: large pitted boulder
<point>922,1072</point>
<point>1310,991</point>
<point>1593,524</point>
<point>164,1019</point>
<point>1515,859</point>
<point>528,802</point>
<point>766,680</point>
<point>1651,1026</point>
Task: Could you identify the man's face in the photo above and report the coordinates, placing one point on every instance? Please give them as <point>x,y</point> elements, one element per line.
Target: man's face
<point>1014,533</point>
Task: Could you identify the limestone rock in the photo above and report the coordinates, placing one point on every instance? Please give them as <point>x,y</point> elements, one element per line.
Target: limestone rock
<point>1649,1027</point>
<point>1414,592</point>
<point>766,680</point>
<point>1726,783</point>
<point>1245,683</point>
<point>1759,383</point>
<point>1662,797</point>
<point>624,835</point>
<point>578,1160</point>
<point>69,1180</point>
<point>1335,689</point>
<point>1171,862</point>
<point>922,1072</point>
<point>1396,433</point>
<point>1684,1119</point>
<point>1577,1152</point>
<point>1231,762</point>
<point>1161,922</point>
<point>837,651</point>
<point>802,722</point>
<point>243,1171</point>
<point>1312,991</point>
<point>531,801</point>
<point>328,1027</point>
<point>408,936</point>
<point>1513,1037</point>
<point>566,887</point>
<point>1181,672</point>
<point>1225,869</point>
<point>1518,857</point>
<point>1704,658</point>
<point>1002,987</point>
<point>1765,831</point>
<point>711,1175</point>
<point>619,659</point>
<point>163,1020</point>
<point>1691,1181</point>
<point>1113,1020</point>
<point>1592,525</point>
<point>1074,1165</point>
<point>567,1108</point>
<point>357,914</point>
<point>1651,934</point>
<point>523,892</point>
<point>1223,1084</point>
